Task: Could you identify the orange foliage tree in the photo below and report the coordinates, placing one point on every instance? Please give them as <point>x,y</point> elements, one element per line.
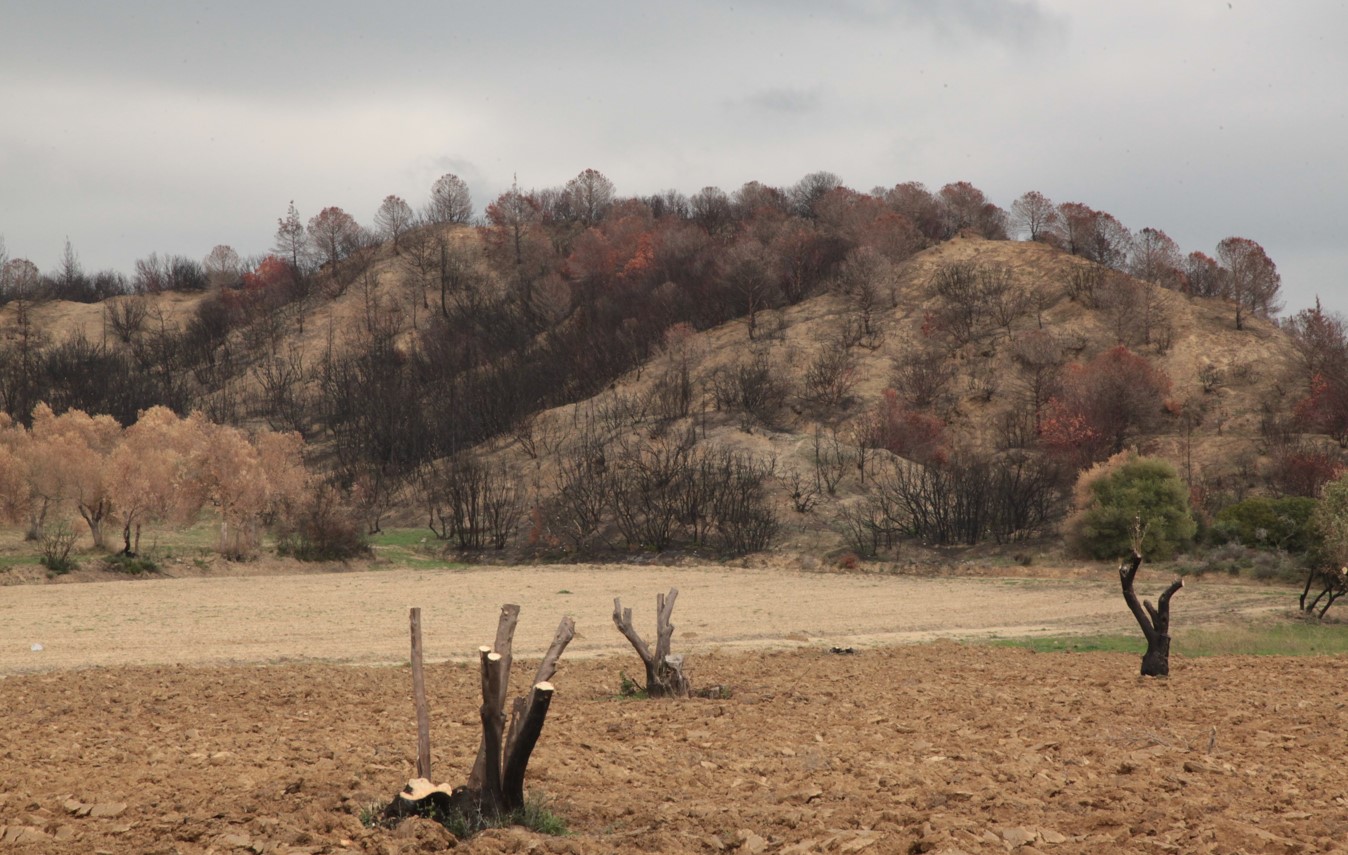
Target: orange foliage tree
<point>163,468</point>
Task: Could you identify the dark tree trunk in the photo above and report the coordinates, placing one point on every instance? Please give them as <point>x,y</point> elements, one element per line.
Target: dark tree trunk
<point>1154,621</point>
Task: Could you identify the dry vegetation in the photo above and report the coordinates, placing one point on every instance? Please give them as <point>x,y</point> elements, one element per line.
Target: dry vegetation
<point>167,715</point>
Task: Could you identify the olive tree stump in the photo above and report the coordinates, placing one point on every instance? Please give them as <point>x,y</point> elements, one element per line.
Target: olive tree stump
<point>495,786</point>
<point>1155,621</point>
<point>664,670</point>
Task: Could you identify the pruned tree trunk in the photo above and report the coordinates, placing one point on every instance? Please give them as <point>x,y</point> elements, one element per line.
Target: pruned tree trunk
<point>419,700</point>
<point>496,783</point>
<point>664,671</point>
<point>1155,621</point>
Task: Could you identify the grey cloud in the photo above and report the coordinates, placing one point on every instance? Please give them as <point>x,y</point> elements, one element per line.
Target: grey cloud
<point>1016,22</point>
<point>784,100</point>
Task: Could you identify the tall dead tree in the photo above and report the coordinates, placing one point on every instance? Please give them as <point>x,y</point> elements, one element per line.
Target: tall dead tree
<point>1155,621</point>
<point>495,786</point>
<point>664,670</point>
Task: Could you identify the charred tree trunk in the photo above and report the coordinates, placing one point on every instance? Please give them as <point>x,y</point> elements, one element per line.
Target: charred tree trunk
<point>664,671</point>
<point>495,785</point>
<point>1333,584</point>
<point>1155,621</point>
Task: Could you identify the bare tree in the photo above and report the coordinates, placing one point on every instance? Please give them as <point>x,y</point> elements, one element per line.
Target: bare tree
<point>450,201</point>
<point>1252,278</point>
<point>292,242</point>
<point>223,267</point>
<point>810,189</point>
<point>334,234</point>
<point>1034,215</point>
<point>495,787</point>
<point>590,195</point>
<point>393,219</point>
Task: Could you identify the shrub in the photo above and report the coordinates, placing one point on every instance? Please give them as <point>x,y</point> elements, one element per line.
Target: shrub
<point>323,529</point>
<point>57,542</point>
<point>131,565</point>
<point>1130,502</point>
<point>1267,523</point>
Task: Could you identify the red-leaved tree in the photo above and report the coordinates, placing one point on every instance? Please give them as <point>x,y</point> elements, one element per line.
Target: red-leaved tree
<point>1104,403</point>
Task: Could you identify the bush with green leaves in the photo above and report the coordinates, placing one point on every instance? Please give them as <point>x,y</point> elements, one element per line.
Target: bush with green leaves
<point>1131,502</point>
<point>1266,523</point>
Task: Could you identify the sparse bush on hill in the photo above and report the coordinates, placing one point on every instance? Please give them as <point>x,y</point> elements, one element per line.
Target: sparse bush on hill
<point>1130,501</point>
<point>658,495</point>
<point>1302,468</point>
<point>1103,403</point>
<point>752,388</point>
<point>452,335</point>
<point>471,503</point>
<point>966,499</point>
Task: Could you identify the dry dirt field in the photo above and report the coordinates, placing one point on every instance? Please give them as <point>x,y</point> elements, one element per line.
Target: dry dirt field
<point>261,714</point>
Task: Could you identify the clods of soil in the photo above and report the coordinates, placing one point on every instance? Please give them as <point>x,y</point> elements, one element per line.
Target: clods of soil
<point>939,747</point>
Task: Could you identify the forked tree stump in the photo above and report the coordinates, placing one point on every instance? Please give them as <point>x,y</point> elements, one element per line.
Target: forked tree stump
<point>495,785</point>
<point>664,671</point>
<point>1155,621</point>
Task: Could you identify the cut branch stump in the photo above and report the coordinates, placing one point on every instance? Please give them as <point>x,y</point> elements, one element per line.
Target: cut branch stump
<point>664,670</point>
<point>495,785</point>
<point>1154,620</point>
<point>419,699</point>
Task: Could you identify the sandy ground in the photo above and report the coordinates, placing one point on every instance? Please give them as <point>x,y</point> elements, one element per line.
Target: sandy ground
<point>362,617</point>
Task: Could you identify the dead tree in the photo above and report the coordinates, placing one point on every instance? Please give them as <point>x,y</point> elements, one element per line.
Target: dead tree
<point>1155,621</point>
<point>1333,584</point>
<point>664,670</point>
<point>495,786</point>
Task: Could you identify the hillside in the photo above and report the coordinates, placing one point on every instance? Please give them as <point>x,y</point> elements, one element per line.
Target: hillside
<point>386,370</point>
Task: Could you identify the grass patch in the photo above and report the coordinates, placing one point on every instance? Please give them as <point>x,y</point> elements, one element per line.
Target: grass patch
<point>415,548</point>
<point>535,816</point>
<point>1077,644</point>
<point>1295,637</point>
<point>629,688</point>
<point>130,565</point>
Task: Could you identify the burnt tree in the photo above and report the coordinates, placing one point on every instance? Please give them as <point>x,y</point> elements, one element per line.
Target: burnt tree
<point>495,787</point>
<point>1155,621</point>
<point>1333,584</point>
<point>664,670</point>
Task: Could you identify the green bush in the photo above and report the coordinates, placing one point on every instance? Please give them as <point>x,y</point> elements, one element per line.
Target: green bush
<point>131,565</point>
<point>1267,524</point>
<point>1129,495</point>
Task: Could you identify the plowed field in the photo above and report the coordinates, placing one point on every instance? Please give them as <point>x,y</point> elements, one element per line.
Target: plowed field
<point>261,714</point>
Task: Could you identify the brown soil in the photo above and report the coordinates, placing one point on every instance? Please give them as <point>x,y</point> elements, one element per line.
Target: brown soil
<point>940,746</point>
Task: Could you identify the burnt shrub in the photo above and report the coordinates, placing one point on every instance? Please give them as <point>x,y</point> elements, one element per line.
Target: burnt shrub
<point>322,529</point>
<point>470,503</point>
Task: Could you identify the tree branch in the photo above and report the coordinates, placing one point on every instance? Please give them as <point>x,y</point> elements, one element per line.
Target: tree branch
<point>1128,572</point>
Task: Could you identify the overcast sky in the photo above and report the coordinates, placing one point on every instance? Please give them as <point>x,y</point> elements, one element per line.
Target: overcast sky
<point>171,126</point>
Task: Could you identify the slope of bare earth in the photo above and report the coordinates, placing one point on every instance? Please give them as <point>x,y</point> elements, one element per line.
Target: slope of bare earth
<point>162,747</point>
